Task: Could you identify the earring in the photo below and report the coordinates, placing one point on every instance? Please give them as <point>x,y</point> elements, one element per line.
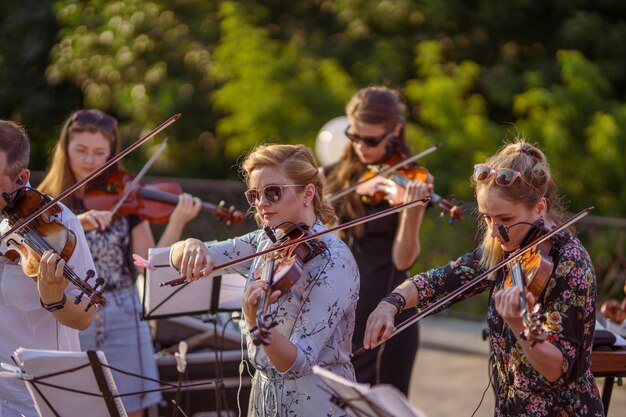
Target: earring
<point>306,204</point>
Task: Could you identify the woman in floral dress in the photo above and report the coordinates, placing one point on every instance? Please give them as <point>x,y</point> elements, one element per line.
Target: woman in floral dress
<point>515,194</point>
<point>89,139</point>
<point>315,317</point>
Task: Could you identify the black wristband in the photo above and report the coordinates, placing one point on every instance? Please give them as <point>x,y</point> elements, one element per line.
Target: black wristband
<point>397,300</point>
<point>54,306</point>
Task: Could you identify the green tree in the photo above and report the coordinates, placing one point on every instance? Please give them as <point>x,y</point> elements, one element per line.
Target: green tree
<point>580,127</point>
<point>144,61</point>
<point>271,90</point>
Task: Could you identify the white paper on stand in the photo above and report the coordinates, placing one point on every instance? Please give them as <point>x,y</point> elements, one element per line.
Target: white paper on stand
<point>39,363</point>
<point>382,399</point>
<point>195,298</point>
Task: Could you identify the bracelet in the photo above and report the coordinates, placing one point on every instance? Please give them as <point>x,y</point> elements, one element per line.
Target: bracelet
<point>54,306</point>
<point>397,300</point>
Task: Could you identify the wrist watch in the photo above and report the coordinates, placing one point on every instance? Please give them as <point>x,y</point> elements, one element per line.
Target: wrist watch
<point>54,306</point>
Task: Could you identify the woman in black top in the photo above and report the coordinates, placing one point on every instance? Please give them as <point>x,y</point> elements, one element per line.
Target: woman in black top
<point>386,248</point>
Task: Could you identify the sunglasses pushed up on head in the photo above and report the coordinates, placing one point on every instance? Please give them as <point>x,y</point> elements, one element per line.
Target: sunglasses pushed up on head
<point>94,117</point>
<point>504,177</point>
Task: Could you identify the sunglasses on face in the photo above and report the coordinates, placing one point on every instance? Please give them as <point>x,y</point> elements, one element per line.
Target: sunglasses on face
<point>272,193</point>
<point>370,141</point>
<point>95,118</point>
<point>504,177</point>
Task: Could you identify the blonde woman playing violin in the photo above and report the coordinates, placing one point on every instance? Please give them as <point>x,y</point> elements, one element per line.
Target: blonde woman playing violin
<point>514,190</point>
<point>314,318</point>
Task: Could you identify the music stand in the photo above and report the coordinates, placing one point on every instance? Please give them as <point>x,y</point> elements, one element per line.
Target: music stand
<point>51,375</point>
<point>216,293</point>
<point>361,400</point>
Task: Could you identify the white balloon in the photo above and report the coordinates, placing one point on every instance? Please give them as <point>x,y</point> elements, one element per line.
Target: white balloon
<point>331,141</point>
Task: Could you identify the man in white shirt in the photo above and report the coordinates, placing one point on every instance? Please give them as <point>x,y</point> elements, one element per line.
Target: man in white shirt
<point>35,313</point>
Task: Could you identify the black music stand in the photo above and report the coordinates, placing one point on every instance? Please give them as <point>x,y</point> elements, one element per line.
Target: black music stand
<point>212,295</point>
<point>218,293</point>
<point>361,400</point>
<point>51,375</point>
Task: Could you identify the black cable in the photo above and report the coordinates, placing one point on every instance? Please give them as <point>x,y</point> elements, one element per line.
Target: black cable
<point>482,397</point>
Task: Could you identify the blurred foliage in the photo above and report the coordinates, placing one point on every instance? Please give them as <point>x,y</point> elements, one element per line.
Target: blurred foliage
<point>473,73</point>
<point>28,30</point>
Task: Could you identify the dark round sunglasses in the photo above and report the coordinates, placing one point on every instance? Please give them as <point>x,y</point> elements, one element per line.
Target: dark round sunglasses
<point>272,193</point>
<point>370,141</point>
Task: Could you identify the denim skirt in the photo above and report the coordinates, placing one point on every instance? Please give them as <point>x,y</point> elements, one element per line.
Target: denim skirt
<point>118,331</point>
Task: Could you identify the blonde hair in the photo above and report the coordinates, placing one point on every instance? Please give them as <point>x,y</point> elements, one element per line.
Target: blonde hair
<point>532,164</point>
<point>60,176</point>
<point>297,164</point>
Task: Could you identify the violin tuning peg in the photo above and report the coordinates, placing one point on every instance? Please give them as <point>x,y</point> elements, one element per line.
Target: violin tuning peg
<point>78,298</point>
<point>90,274</point>
<point>230,210</point>
<point>99,283</point>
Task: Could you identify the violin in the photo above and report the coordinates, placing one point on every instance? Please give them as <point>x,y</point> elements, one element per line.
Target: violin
<point>614,310</point>
<point>281,269</point>
<point>303,239</point>
<point>43,234</point>
<point>456,293</point>
<point>373,193</point>
<point>154,201</point>
<point>531,271</point>
<point>52,201</point>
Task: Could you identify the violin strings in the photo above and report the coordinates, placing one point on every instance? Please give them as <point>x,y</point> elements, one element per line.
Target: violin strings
<point>40,245</point>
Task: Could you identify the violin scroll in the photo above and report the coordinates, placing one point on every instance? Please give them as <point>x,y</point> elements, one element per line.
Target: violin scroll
<point>43,234</point>
<point>614,310</point>
<point>533,326</point>
<point>532,271</point>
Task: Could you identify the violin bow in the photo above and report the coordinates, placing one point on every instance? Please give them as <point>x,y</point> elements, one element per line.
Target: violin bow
<point>477,280</point>
<point>133,184</point>
<point>347,225</point>
<point>384,171</point>
<point>91,176</point>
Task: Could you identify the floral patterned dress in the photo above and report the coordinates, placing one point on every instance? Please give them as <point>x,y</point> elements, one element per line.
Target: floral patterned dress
<point>316,314</point>
<point>568,303</point>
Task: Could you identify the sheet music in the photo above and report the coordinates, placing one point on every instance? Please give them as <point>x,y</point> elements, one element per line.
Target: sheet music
<point>384,397</point>
<point>44,362</point>
<point>195,298</point>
